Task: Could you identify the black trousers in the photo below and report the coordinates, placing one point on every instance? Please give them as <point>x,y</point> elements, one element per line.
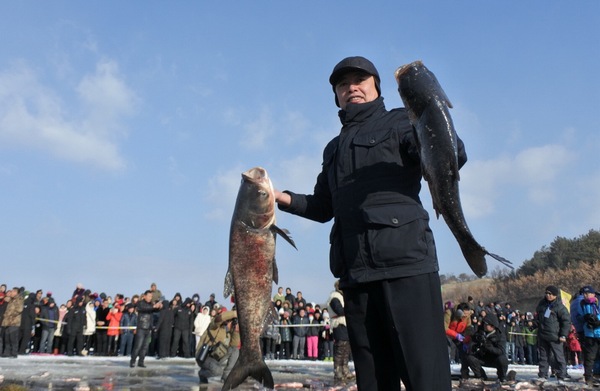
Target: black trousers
<point>476,364</point>
<point>184,336</point>
<point>75,341</point>
<point>140,345</point>
<point>396,330</point>
<point>591,347</point>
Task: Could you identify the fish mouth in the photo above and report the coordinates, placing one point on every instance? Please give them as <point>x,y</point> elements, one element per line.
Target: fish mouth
<point>256,175</point>
<point>404,68</point>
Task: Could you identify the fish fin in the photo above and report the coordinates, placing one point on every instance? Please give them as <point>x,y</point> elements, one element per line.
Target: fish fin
<point>502,260</point>
<point>244,368</point>
<point>284,233</point>
<point>275,272</point>
<point>228,286</point>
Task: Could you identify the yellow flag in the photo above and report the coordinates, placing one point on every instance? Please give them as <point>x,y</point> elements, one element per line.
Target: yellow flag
<point>566,299</point>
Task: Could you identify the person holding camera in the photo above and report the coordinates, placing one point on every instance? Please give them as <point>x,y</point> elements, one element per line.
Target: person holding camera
<point>218,349</point>
<point>487,350</point>
<point>589,313</point>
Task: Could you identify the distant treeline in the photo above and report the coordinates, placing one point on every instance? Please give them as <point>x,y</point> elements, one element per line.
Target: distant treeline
<point>566,263</point>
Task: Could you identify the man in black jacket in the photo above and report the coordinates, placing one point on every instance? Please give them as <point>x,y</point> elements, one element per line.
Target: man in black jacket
<point>76,320</point>
<point>554,323</point>
<point>382,248</point>
<point>487,350</point>
<point>182,327</point>
<point>144,308</point>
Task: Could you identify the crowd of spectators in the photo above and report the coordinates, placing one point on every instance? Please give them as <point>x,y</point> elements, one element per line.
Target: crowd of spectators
<point>550,336</point>
<point>92,323</point>
<point>101,325</point>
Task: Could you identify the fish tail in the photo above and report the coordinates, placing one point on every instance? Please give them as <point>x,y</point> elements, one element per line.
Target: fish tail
<point>243,369</point>
<point>474,254</point>
<point>502,260</point>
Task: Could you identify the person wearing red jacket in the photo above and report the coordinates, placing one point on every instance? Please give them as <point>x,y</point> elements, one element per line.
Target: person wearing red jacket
<point>459,331</point>
<point>114,321</point>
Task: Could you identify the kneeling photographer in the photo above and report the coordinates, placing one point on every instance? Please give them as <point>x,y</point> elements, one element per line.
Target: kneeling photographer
<point>487,350</point>
<point>218,348</point>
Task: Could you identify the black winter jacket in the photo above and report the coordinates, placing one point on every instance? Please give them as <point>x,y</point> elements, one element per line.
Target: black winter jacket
<point>370,183</point>
<point>145,310</point>
<point>557,322</point>
<point>488,346</point>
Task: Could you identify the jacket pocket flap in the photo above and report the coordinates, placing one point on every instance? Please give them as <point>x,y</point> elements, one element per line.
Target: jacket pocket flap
<point>393,215</point>
<point>372,138</point>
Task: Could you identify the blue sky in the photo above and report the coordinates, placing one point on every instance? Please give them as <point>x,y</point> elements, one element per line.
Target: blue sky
<point>125,126</point>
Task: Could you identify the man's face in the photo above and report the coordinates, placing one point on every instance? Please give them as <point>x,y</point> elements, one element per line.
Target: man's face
<point>550,296</point>
<point>355,87</point>
<point>148,297</point>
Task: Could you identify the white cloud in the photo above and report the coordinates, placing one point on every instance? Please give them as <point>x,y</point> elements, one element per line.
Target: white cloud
<point>257,132</point>
<point>33,115</point>
<point>533,172</point>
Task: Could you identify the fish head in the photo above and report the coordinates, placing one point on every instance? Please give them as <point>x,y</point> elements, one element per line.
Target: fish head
<point>417,86</point>
<point>255,205</point>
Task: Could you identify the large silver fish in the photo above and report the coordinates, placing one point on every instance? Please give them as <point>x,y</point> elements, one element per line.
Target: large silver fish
<point>252,271</point>
<point>427,106</point>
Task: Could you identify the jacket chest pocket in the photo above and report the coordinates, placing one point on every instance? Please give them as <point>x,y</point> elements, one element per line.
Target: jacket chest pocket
<point>374,147</point>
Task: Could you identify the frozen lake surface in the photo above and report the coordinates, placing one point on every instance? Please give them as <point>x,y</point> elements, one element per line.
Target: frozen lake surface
<point>36,372</point>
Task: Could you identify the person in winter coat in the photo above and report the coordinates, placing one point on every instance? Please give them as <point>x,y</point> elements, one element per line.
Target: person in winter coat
<point>270,339</point>
<point>554,323</point>
<point>75,322</point>
<point>589,314</point>
<point>341,345</point>
<point>89,331</point>
<point>114,323</point>
<point>516,342</point>
<point>223,328</point>
<point>459,332</point>
<point>3,304</point>
<point>201,323</point>
<point>27,324</point>
<point>182,327</point>
<point>102,328</point>
<point>145,309</point>
<point>60,335</point>
<point>382,248</point>
<point>530,331</point>
<point>49,315</point>
<point>487,350</point>
<point>11,322</point>
<point>128,324</point>
<point>285,350</point>
<point>164,328</point>
<point>327,337</point>
<point>299,338</point>
<point>312,336</point>
<point>573,348</point>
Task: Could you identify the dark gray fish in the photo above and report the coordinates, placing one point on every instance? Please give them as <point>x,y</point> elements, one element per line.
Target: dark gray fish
<point>428,110</point>
<point>252,271</point>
